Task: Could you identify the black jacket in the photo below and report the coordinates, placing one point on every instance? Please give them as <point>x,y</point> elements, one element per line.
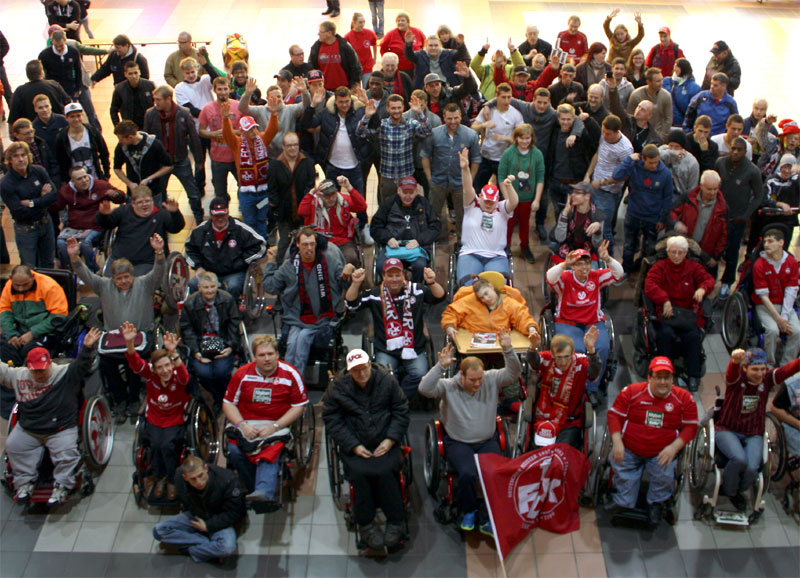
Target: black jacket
<point>580,154</point>
<point>133,232</point>
<point>63,15</point>
<point>328,121</point>
<point>350,63</point>
<point>100,154</point>
<point>240,247</point>
<point>221,503</point>
<point>186,137</point>
<point>14,188</point>
<point>558,92</point>
<point>706,159</point>
<point>67,72</point>
<point>44,157</point>
<point>193,318</point>
<point>114,64</point>
<point>389,221</point>
<point>132,103</point>
<point>280,182</point>
<point>365,416</point>
<point>22,101</point>
<point>143,160</point>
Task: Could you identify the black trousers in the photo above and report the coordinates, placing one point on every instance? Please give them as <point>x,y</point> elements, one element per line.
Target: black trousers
<point>165,446</point>
<point>686,343</point>
<point>376,484</point>
<point>462,457</point>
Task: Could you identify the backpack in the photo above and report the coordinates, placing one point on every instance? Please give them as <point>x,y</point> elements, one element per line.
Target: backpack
<point>235,49</point>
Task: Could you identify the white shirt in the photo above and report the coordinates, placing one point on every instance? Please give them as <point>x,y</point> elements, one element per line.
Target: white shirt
<point>198,94</point>
<point>504,125</point>
<point>609,157</point>
<point>724,151</point>
<point>484,234</point>
<point>342,154</point>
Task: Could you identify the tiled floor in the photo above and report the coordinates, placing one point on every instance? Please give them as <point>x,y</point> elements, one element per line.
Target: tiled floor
<point>107,534</point>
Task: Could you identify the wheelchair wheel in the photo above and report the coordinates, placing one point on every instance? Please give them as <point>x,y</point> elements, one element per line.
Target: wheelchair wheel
<point>305,435</point>
<point>108,242</point>
<point>681,467</point>
<point>452,281</point>
<point>203,434</point>
<point>335,472</point>
<point>408,462</point>
<point>611,362</point>
<point>547,327</point>
<point>97,431</point>
<point>600,484</point>
<point>639,342</point>
<point>641,363</point>
<point>546,291</point>
<point>253,291</point>
<point>505,439</point>
<point>734,321</point>
<point>245,342</point>
<point>589,429</point>
<point>701,461</point>
<point>176,280</point>
<point>432,467</point>
<point>138,441</point>
<point>777,448</point>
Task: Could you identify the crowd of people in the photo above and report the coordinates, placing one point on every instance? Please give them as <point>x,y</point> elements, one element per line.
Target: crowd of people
<point>466,148</point>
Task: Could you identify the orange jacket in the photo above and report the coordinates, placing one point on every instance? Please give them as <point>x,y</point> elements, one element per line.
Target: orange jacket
<point>467,312</point>
<point>234,141</point>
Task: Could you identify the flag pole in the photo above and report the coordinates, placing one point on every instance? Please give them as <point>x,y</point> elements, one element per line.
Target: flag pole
<point>491,516</point>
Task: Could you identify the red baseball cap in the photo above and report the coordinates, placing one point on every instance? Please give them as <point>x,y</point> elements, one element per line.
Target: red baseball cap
<point>664,30</point>
<point>247,122</point>
<point>38,358</point>
<point>661,363</point>
<point>408,183</point>
<point>581,253</point>
<point>546,433</point>
<point>392,263</point>
<point>490,193</point>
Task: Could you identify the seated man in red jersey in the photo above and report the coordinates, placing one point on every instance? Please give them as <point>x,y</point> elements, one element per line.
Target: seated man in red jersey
<point>650,422</point>
<point>264,398</point>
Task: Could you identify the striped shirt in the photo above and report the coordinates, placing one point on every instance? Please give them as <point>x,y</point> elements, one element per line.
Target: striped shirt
<point>609,157</point>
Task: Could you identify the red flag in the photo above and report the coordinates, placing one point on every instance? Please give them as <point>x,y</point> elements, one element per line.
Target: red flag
<point>539,489</point>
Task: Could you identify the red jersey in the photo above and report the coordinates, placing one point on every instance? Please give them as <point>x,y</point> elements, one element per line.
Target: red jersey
<point>165,405</point>
<point>561,393</point>
<point>575,45</point>
<point>771,278</point>
<point>266,398</point>
<point>362,42</point>
<point>330,63</point>
<point>648,423</point>
<point>580,302</point>
<point>744,408</point>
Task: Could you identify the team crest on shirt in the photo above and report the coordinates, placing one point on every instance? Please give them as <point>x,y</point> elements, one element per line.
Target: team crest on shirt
<point>761,388</point>
<point>590,286</point>
<point>581,295</point>
<point>231,243</point>
<point>669,406</point>
<point>162,399</point>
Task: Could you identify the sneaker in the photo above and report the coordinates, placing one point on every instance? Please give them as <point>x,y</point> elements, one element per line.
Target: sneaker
<point>542,231</point>
<point>257,497</point>
<point>468,522</point>
<point>527,255</point>
<point>366,237</point>
<point>724,291</point>
<point>393,536</point>
<point>486,529</point>
<point>371,536</point>
<point>24,492</point>
<point>739,502</point>
<point>622,281</point>
<point>59,494</point>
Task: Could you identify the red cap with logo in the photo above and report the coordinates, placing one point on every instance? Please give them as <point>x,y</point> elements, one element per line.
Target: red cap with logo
<point>546,433</point>
<point>408,184</point>
<point>38,358</point>
<point>247,122</point>
<point>661,363</point>
<point>490,193</point>
<point>580,253</point>
<point>392,263</point>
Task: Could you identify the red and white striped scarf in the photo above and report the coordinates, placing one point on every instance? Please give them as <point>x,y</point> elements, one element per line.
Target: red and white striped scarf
<point>253,166</point>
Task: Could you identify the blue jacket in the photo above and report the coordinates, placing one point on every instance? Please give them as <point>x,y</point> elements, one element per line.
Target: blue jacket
<point>422,65</point>
<point>719,111</point>
<point>682,95</point>
<point>650,195</point>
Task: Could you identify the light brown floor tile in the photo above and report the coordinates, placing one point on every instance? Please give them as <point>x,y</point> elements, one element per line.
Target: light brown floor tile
<point>556,565</point>
<point>590,565</point>
<point>550,543</point>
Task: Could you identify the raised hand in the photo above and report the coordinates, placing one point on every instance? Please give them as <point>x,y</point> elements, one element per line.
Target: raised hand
<point>358,277</point>
<point>504,337</point>
<point>511,47</point>
<point>73,248</point>
<point>157,242</point>
<point>347,271</point>
<point>446,356</point>
<point>171,341</point>
<point>463,158</point>
<point>486,46</point>
<point>299,83</point>
<point>92,337</point>
<point>128,331</point>
<point>170,205</point>
<point>409,37</point>
<point>429,275</point>
<point>602,250</point>
<point>225,108</point>
<point>614,13</point>
<point>590,338</point>
<point>250,86</point>
<point>370,109</point>
<point>344,183</point>
<point>737,356</point>
<point>461,69</point>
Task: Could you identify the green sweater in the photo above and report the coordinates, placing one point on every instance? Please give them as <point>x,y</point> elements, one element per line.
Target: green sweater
<point>486,74</point>
<point>512,163</point>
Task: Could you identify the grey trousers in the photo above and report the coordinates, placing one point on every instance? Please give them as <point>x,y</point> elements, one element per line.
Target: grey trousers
<point>25,452</point>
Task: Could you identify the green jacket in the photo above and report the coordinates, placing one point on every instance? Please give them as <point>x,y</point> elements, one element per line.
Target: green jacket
<point>512,163</point>
<point>33,310</point>
<point>486,74</point>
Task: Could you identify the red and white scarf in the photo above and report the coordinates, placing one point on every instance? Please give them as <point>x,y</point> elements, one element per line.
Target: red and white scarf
<point>561,385</point>
<point>399,332</point>
<point>253,166</point>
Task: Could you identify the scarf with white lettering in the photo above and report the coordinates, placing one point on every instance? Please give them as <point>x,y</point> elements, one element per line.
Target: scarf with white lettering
<point>253,165</point>
<point>399,333</point>
<point>320,268</point>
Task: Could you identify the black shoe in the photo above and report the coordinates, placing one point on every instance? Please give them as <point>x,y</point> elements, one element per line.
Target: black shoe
<point>334,14</point>
<point>372,537</point>
<point>613,508</point>
<point>592,396</point>
<point>654,513</point>
<point>739,502</point>
<point>542,232</point>
<point>527,255</point>
<point>694,384</point>
<point>393,536</point>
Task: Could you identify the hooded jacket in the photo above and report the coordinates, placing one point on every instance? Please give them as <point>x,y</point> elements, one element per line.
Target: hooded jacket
<point>82,207</point>
<point>328,120</point>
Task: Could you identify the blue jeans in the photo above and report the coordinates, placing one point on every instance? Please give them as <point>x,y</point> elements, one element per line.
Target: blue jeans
<point>792,435</point>
<point>214,376</point>
<point>472,264</point>
<point>219,177</point>
<point>628,476</point>
<point>178,531</point>
<point>232,283</point>
<point>86,247</point>
<point>376,9</point>
<point>36,244</point>
<point>413,370</point>
<point>183,171</point>
<point>417,266</point>
<point>633,228</point>
<point>734,243</point>
<point>462,457</point>
<point>602,346</point>
<point>262,477</point>
<point>744,455</point>
<point>300,341</point>
<point>607,204</point>
<point>252,215</point>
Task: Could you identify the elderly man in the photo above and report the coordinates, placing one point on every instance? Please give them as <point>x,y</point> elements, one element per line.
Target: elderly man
<point>212,504</point>
<point>334,56</point>
<point>397,81</point>
<point>48,400</point>
<point>593,107</point>
<point>297,65</point>
<point>715,102</point>
<point>173,73</point>
<point>370,449</point>
<point>469,409</point>
<point>264,397</point>
<point>661,99</point>
<point>224,246</point>
<point>310,283</point>
<point>638,128</point>
<point>27,192</point>
<point>407,226</point>
<point>650,422</point>
<point>534,45</point>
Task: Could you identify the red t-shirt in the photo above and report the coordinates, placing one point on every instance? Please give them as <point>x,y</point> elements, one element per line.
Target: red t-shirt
<point>362,42</point>
<point>219,235</point>
<point>767,280</point>
<point>330,63</point>
<point>648,423</point>
<point>580,302</point>
<point>575,45</point>
<point>165,405</point>
<point>266,398</point>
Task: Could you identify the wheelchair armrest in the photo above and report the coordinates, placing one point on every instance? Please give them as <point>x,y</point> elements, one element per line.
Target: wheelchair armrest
<point>61,324</point>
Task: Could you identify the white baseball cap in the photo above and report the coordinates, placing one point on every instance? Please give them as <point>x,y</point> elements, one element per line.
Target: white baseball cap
<point>72,107</point>
<point>546,433</point>
<point>356,357</point>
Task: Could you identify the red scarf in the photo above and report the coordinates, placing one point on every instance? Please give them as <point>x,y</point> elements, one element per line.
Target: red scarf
<point>500,75</point>
<point>398,333</point>
<point>168,129</point>
<point>325,304</point>
<point>560,385</point>
<point>253,165</point>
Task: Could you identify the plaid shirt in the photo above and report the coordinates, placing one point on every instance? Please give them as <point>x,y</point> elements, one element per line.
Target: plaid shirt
<point>397,143</point>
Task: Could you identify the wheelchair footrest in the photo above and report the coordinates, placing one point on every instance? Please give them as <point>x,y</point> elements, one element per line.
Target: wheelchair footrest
<point>726,517</point>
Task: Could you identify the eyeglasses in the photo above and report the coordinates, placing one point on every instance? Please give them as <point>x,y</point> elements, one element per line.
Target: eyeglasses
<point>291,145</point>
<point>298,53</point>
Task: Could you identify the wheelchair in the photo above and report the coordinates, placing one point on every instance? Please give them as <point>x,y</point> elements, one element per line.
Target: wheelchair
<point>705,460</point>
<point>201,438</point>
<point>95,441</point>
<point>294,459</point>
<point>344,496</point>
<point>440,476</point>
<point>783,464</point>
<point>600,483</point>
<point>554,259</point>
<point>454,283</point>
<point>378,248</point>
<point>523,438</point>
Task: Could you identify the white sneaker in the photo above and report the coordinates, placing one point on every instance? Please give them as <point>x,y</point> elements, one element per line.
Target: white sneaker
<point>724,291</point>
<point>60,493</point>
<point>366,237</point>
<point>24,492</point>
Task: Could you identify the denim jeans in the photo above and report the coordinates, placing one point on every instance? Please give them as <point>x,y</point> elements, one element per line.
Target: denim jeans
<point>262,477</point>
<point>376,9</point>
<point>607,204</point>
<point>36,244</point>
<point>178,531</point>
<point>183,171</point>
<point>472,264</point>
<point>413,370</point>
<point>628,477</point>
<point>462,457</point>
<point>252,215</point>
<point>86,247</point>
<point>772,335</point>
<point>602,346</point>
<point>300,341</point>
<point>214,376</point>
<point>633,228</point>
<point>744,455</point>
<point>232,283</point>
<point>734,243</point>
<point>219,177</point>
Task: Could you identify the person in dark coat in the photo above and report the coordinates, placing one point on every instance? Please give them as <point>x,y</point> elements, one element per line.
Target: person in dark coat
<point>124,51</point>
<point>22,104</point>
